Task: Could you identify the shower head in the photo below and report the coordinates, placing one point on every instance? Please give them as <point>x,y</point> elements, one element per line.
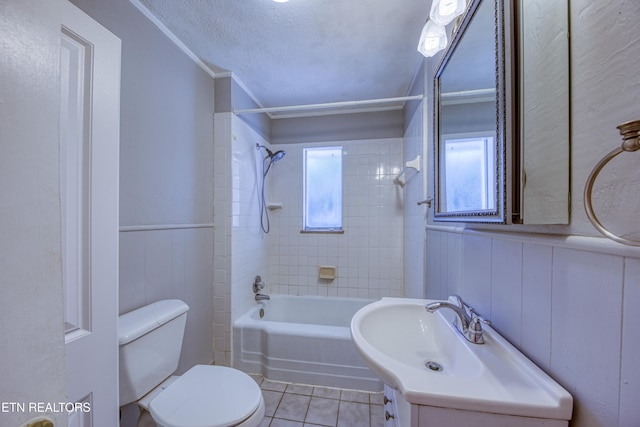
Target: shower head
<point>277,155</point>
<point>273,157</point>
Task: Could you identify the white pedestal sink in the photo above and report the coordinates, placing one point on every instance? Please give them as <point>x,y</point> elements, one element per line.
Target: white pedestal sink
<point>430,363</point>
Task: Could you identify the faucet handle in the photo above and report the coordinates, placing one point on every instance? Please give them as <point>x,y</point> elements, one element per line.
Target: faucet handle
<point>476,323</point>
<point>475,327</point>
<point>475,332</point>
<point>258,284</point>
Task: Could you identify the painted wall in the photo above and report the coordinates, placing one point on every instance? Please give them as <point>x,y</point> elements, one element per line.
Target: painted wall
<point>567,300</point>
<point>166,174</point>
<point>31,300</point>
<point>338,127</point>
<point>232,94</point>
<point>368,256</point>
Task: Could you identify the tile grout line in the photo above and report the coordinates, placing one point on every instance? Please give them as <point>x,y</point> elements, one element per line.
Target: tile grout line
<point>340,400</point>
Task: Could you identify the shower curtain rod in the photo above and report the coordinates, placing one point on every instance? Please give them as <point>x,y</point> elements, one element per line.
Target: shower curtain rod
<point>327,105</point>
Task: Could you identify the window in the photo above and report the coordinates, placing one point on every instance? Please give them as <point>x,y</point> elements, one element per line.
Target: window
<point>322,193</point>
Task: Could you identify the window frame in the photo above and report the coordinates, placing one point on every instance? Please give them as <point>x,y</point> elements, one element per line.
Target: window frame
<point>329,229</point>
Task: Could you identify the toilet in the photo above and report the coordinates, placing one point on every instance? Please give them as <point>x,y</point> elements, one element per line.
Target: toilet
<point>150,341</point>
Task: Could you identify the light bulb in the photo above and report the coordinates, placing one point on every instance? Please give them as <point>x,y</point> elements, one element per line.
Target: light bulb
<point>445,11</point>
<point>447,7</point>
<point>432,39</point>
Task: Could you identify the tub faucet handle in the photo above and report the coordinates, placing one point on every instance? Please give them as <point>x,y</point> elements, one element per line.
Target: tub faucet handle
<point>258,284</point>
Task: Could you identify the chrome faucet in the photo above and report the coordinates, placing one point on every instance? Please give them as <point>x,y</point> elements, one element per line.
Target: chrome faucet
<point>467,322</point>
<point>258,285</point>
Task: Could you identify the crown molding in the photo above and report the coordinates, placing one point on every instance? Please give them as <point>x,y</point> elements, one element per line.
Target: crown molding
<point>167,32</point>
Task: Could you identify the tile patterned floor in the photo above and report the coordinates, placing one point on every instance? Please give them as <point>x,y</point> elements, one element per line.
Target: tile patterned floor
<point>299,405</point>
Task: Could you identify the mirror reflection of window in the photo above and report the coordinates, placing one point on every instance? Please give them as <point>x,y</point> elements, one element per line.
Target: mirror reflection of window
<point>469,172</point>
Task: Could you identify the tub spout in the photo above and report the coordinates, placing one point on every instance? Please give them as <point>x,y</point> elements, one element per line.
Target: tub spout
<point>262,297</point>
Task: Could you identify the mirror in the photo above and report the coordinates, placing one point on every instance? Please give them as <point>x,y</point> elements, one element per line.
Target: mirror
<point>501,112</point>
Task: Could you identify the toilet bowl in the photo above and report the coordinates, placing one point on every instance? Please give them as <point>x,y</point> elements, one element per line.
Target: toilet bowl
<point>150,341</point>
<point>209,396</point>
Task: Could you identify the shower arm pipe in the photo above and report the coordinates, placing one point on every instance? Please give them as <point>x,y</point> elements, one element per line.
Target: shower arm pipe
<point>328,105</point>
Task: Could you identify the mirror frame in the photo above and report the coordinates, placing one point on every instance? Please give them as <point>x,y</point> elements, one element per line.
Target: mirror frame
<point>507,170</point>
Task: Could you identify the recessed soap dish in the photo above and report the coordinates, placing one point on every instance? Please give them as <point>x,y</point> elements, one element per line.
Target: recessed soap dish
<point>327,272</point>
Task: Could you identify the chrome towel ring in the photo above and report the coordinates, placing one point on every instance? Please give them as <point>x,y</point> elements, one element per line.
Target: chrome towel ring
<point>630,132</point>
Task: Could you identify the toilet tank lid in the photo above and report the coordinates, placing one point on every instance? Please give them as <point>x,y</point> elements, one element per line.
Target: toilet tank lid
<point>136,323</point>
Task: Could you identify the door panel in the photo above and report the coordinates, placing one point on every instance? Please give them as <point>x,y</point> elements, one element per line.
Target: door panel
<point>89,146</point>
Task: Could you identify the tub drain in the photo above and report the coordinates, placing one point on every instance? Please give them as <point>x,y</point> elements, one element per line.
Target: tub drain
<point>434,366</point>
<point>261,313</point>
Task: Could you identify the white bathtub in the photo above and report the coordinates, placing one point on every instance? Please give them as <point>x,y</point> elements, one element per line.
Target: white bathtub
<point>302,339</point>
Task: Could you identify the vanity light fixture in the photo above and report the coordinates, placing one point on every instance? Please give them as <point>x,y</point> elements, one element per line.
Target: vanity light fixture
<point>445,11</point>
<point>433,39</point>
<point>434,35</point>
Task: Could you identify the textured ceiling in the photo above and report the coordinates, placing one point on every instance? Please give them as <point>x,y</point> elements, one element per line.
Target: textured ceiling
<point>303,51</point>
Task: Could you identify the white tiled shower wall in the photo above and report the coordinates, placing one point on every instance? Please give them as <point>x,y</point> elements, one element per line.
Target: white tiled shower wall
<point>249,245</point>
<point>240,248</point>
<point>368,256</point>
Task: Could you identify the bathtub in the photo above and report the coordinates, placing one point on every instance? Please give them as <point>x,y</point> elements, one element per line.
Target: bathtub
<point>302,339</point>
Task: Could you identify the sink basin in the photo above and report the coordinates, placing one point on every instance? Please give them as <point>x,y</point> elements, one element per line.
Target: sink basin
<point>424,357</point>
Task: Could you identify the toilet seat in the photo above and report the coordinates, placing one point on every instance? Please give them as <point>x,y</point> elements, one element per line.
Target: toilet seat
<point>208,396</point>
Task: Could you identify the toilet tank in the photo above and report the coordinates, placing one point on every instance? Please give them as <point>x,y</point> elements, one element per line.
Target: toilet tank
<point>150,340</point>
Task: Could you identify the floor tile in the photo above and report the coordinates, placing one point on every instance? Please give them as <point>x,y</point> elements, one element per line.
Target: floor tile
<point>273,385</point>
<point>300,389</point>
<point>278,422</point>
<point>323,411</point>
<point>271,401</point>
<point>353,414</point>
<point>293,407</point>
<point>257,378</point>
<point>301,405</point>
<point>376,398</point>
<point>376,413</point>
<point>329,393</point>
<point>355,396</point>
